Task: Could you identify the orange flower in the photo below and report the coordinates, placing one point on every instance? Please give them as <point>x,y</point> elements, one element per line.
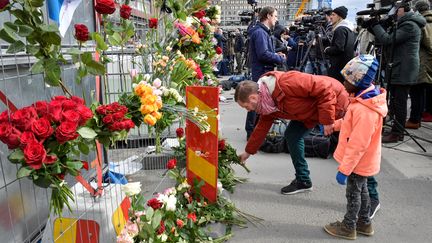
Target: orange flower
<point>157,115</point>
<point>195,38</point>
<point>150,120</point>
<point>148,99</point>
<point>159,104</point>
<point>146,109</point>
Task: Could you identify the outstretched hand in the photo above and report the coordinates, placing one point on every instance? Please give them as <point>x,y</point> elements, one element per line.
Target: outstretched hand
<point>243,157</point>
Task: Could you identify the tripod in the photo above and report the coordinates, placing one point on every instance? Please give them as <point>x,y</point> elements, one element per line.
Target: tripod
<point>387,79</point>
<point>315,62</point>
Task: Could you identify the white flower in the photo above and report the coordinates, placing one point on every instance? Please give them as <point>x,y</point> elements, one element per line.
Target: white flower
<point>134,85</point>
<point>189,21</point>
<point>183,185</point>
<point>170,191</point>
<point>163,237</point>
<point>157,92</point>
<point>168,48</point>
<point>218,9</point>
<point>131,188</point>
<point>162,198</point>
<point>124,237</point>
<point>171,203</point>
<point>214,41</point>
<point>147,77</point>
<point>157,83</point>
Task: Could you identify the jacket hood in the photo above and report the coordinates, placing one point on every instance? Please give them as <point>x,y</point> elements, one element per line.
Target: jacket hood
<point>344,23</point>
<point>377,103</point>
<point>428,16</point>
<point>259,25</point>
<point>415,17</point>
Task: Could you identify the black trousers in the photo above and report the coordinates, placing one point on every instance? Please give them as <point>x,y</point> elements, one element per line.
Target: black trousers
<point>428,98</point>
<point>417,94</point>
<point>398,106</point>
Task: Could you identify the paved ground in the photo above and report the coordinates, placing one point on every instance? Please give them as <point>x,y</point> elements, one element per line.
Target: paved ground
<point>405,186</point>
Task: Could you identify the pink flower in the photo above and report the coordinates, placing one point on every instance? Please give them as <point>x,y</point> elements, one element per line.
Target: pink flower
<point>132,228</point>
<point>133,72</point>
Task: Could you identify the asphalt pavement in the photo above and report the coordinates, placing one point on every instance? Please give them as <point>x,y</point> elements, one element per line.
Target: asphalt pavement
<point>405,188</point>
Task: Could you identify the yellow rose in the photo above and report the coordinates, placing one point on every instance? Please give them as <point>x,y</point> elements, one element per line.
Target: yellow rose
<point>150,120</point>
<point>146,109</point>
<point>157,115</point>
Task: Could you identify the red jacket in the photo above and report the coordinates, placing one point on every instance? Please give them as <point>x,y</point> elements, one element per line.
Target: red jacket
<point>311,99</point>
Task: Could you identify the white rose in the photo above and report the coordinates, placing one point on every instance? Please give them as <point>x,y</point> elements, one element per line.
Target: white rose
<point>157,83</point>
<point>171,203</point>
<point>131,188</point>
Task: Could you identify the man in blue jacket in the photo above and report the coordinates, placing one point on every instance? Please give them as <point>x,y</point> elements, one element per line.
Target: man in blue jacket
<point>262,53</point>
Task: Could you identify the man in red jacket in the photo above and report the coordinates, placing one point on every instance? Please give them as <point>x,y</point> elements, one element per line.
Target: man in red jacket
<point>305,99</point>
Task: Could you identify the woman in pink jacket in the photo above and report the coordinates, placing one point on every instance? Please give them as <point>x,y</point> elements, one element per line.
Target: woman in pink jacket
<point>359,147</point>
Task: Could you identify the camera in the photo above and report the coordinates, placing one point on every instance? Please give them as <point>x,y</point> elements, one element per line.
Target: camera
<point>252,2</point>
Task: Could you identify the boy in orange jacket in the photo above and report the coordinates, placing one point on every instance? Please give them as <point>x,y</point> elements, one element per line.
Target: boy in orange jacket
<point>359,147</point>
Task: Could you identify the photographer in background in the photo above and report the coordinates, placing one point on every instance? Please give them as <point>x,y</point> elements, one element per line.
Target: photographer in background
<point>405,63</point>
<point>341,49</point>
<point>238,50</point>
<point>365,40</point>
<point>280,38</point>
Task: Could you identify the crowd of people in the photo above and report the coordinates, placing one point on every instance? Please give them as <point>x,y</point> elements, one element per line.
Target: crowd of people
<point>347,100</point>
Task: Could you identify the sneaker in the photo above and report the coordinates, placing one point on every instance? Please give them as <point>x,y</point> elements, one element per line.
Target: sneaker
<point>365,229</point>
<point>296,187</point>
<point>340,230</point>
<point>375,206</point>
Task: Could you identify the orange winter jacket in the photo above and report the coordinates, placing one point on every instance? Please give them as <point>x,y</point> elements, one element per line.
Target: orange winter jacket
<point>359,146</point>
<point>303,97</point>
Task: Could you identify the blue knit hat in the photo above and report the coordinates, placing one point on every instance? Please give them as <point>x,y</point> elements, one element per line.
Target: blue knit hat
<point>360,71</point>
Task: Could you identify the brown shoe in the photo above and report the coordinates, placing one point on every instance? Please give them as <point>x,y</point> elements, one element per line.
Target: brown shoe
<point>365,229</point>
<point>392,138</point>
<point>412,125</point>
<point>340,230</point>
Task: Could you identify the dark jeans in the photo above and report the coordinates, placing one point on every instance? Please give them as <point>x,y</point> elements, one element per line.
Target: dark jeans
<point>358,202</point>
<point>428,98</point>
<point>398,106</point>
<point>372,185</point>
<point>417,94</point>
<point>294,134</point>
<point>250,122</point>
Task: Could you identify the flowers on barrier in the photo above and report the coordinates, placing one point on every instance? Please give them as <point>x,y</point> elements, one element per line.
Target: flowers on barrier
<point>179,214</point>
<point>46,140</point>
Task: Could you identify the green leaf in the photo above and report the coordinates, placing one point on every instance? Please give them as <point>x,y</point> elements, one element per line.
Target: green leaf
<point>157,217</point>
<point>24,30</point>
<point>56,169</point>
<point>49,28</point>
<point>16,47</point>
<point>52,38</point>
<point>36,3</point>
<point>95,68</point>
<point>74,165</point>
<point>86,57</point>
<point>74,51</point>
<point>149,213</point>
<point>83,148</point>
<point>100,43</point>
<point>87,132</point>
<point>10,26</point>
<point>23,172</point>
<point>16,156</point>
<point>52,71</point>
<point>37,67</point>
<point>115,39</point>
<point>32,50</point>
<point>8,37</point>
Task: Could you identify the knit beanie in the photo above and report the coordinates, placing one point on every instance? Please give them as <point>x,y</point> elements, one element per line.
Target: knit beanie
<point>360,71</point>
<point>342,11</point>
<point>422,6</point>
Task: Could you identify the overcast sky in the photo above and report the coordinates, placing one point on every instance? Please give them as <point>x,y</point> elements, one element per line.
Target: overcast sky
<point>353,6</point>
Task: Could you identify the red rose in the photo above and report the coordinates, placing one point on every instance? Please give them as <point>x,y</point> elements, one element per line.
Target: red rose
<point>219,50</point>
<point>161,228</point>
<point>153,22</point>
<point>129,124</point>
<point>85,113</point>
<point>221,145</point>
<point>118,116</point>
<point>125,11</point>
<point>26,138</point>
<point>34,155</point>
<point>81,32</point>
<point>71,115</point>
<point>154,203</point>
<point>105,6</point>
<point>3,4</point>
<point>24,118</point>
<point>85,165</point>
<point>69,105</point>
<point>9,135</point>
<point>42,128</point>
<point>180,132</point>
<point>4,116</point>
<point>41,108</point>
<point>179,223</point>
<point>171,164</point>
<point>102,110</point>
<point>55,110</point>
<point>59,98</point>
<point>199,14</point>
<point>116,126</point>
<point>77,100</point>
<point>66,132</point>
<point>108,119</point>
<point>61,176</point>
<point>199,74</point>
<point>192,216</point>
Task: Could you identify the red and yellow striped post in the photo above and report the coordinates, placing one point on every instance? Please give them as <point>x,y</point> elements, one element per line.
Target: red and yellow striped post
<point>71,230</point>
<point>202,148</point>
<point>121,215</point>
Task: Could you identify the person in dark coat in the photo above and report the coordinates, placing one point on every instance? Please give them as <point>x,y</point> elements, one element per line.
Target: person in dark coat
<point>341,50</point>
<point>238,50</point>
<point>405,61</point>
<point>263,57</point>
<point>280,39</point>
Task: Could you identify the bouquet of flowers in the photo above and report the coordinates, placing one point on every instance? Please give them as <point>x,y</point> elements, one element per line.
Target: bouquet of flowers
<point>45,142</point>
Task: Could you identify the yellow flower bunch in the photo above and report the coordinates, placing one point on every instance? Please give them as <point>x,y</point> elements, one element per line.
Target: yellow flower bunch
<point>150,103</point>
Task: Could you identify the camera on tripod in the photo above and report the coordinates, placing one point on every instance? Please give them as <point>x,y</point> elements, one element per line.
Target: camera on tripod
<point>314,17</point>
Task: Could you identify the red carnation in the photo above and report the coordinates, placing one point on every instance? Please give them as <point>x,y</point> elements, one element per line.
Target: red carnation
<point>171,164</point>
<point>154,203</point>
<point>221,145</point>
<point>66,132</point>
<point>219,50</point>
<point>199,14</point>
<point>180,132</point>
<point>153,22</point>
<point>105,6</point>
<point>125,11</point>
<point>192,216</point>
<point>42,128</point>
<point>81,32</point>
